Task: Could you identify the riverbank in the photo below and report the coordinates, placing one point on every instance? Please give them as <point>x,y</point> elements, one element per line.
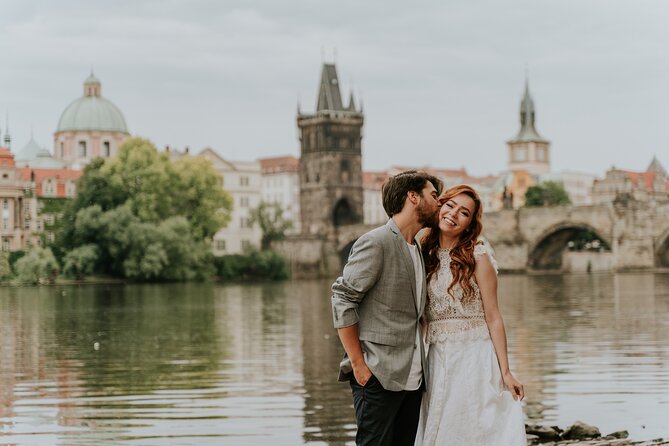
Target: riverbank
<point>581,434</point>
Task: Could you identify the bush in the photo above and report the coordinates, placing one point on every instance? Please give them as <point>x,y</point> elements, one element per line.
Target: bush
<point>38,265</point>
<point>252,265</point>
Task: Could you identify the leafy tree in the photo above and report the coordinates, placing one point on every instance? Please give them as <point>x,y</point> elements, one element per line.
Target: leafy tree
<point>5,267</point>
<point>269,216</point>
<point>80,261</point>
<point>549,193</point>
<point>37,265</point>
<point>150,218</point>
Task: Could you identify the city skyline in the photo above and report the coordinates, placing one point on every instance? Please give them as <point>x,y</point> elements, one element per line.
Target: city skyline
<point>441,84</point>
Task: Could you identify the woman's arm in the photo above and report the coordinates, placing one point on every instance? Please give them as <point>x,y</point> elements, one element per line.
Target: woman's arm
<point>486,277</point>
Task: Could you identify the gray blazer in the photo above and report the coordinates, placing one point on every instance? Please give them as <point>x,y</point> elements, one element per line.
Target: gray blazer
<point>377,291</point>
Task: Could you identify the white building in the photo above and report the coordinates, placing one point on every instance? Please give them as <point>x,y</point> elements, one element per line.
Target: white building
<point>372,204</point>
<point>280,184</point>
<point>242,180</point>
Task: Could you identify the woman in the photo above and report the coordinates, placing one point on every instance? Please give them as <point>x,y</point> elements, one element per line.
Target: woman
<point>472,398</point>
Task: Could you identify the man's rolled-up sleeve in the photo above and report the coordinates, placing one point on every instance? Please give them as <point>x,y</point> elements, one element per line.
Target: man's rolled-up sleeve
<point>361,273</point>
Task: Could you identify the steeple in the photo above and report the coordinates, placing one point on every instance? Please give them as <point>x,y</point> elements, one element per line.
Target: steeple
<point>527,116</point>
<point>656,166</point>
<point>351,103</point>
<point>8,139</point>
<point>92,86</point>
<point>329,95</point>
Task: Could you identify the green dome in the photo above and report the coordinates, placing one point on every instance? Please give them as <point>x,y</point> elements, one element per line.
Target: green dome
<point>92,112</point>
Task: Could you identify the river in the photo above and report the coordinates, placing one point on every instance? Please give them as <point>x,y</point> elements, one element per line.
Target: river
<point>256,364</point>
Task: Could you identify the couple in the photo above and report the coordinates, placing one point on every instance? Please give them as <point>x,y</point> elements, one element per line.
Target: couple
<point>393,295</point>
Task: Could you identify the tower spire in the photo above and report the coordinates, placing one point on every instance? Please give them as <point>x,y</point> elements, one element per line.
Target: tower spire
<point>8,138</point>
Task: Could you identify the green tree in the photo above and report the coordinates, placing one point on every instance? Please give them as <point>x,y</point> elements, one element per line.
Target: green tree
<point>80,261</point>
<point>269,216</point>
<point>5,267</point>
<point>549,193</point>
<point>150,218</point>
<point>39,264</point>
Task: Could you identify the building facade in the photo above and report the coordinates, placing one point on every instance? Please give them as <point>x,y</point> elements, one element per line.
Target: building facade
<point>90,127</point>
<point>528,151</point>
<point>651,185</point>
<point>331,192</point>
<point>280,184</point>
<point>242,180</point>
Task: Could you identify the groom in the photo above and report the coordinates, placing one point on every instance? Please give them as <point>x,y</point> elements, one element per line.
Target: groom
<point>376,306</point>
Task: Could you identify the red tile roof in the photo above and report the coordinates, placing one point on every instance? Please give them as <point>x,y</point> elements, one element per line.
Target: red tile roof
<point>60,176</point>
<point>279,164</point>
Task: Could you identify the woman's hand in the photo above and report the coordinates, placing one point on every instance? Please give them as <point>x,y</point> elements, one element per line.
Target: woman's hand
<point>515,387</point>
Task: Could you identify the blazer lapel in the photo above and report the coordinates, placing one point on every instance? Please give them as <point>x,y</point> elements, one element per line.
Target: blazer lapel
<point>424,279</point>
<point>403,249</point>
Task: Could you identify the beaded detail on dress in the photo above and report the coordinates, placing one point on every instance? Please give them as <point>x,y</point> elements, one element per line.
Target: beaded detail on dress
<point>448,317</point>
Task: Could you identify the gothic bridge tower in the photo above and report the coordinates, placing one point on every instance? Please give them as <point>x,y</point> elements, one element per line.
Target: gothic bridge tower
<point>330,160</point>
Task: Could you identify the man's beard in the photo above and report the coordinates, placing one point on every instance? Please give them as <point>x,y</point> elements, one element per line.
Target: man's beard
<point>427,219</point>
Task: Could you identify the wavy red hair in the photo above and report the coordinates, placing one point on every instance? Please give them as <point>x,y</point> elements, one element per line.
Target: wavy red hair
<point>462,255</point>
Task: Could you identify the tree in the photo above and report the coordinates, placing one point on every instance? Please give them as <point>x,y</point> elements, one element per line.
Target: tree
<point>80,261</point>
<point>39,264</point>
<point>269,216</point>
<point>5,267</point>
<point>549,193</point>
<point>150,218</point>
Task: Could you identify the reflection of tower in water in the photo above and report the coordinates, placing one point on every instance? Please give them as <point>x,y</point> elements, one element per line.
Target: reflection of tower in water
<point>328,407</point>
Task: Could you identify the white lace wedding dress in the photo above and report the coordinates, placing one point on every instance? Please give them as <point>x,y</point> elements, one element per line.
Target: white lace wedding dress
<point>466,402</point>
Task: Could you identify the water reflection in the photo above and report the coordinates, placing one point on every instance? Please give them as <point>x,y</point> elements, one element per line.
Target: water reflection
<point>254,364</point>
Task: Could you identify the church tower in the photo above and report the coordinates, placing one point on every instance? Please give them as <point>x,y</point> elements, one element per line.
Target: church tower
<point>330,160</point>
<point>528,151</point>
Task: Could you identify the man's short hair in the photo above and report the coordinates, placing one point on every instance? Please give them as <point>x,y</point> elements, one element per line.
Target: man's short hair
<point>395,189</point>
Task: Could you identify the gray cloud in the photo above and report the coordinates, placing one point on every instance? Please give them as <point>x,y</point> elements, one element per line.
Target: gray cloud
<point>441,81</point>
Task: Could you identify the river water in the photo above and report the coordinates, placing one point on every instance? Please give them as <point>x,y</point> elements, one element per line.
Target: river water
<point>256,364</point>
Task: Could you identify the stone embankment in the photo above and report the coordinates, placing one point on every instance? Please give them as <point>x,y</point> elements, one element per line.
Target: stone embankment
<point>581,434</point>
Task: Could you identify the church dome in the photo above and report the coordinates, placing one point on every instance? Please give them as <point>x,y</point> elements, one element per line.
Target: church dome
<point>92,112</point>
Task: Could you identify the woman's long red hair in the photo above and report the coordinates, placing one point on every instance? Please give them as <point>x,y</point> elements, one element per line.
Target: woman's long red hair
<point>462,255</point>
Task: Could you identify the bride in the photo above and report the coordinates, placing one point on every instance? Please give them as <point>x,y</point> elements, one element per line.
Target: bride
<point>471,398</point>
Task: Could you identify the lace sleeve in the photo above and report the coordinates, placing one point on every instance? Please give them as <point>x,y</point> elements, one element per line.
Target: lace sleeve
<point>484,248</point>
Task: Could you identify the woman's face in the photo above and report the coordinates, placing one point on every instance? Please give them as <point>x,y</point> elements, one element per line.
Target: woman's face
<point>456,214</point>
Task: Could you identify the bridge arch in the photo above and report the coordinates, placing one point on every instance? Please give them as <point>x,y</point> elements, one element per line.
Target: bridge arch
<point>662,250</point>
<point>546,251</point>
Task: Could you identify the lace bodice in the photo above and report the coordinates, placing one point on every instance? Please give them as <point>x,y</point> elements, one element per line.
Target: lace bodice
<point>448,317</point>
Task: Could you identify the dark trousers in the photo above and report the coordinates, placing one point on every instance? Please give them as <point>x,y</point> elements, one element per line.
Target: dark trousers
<point>385,418</point>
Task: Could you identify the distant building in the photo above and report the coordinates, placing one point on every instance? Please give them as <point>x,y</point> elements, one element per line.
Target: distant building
<point>578,185</point>
<point>242,180</point>
<point>90,127</point>
<point>280,184</point>
<point>330,160</point>
<point>651,185</point>
<point>528,151</point>
<point>372,182</point>
<point>31,201</point>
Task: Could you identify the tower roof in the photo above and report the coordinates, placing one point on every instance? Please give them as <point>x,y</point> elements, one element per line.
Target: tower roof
<point>527,131</point>
<point>92,112</point>
<point>656,166</point>
<point>329,95</point>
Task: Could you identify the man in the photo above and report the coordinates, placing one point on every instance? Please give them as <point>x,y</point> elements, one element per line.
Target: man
<point>376,306</point>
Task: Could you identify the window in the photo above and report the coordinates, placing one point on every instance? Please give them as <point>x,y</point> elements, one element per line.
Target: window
<point>82,149</point>
<point>244,223</point>
<point>243,202</point>
<point>5,244</point>
<point>50,237</point>
<point>106,149</point>
<point>62,150</point>
<point>246,244</point>
<point>243,180</point>
<point>541,154</point>
<point>49,219</point>
<point>220,245</point>
<point>38,225</point>
<point>519,154</point>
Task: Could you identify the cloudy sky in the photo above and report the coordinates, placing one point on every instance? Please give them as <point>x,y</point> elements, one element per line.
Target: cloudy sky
<point>441,81</point>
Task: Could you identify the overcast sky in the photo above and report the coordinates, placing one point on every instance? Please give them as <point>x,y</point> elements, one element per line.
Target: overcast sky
<point>441,80</point>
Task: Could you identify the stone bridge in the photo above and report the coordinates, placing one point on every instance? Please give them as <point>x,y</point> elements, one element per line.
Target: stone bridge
<point>635,235</point>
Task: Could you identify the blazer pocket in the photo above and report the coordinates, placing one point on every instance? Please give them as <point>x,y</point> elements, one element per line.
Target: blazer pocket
<point>379,338</point>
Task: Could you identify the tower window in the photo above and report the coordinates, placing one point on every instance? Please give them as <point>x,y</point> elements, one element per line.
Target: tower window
<point>106,149</point>
<point>82,149</point>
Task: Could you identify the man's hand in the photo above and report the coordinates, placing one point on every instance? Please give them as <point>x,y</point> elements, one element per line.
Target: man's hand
<point>362,373</point>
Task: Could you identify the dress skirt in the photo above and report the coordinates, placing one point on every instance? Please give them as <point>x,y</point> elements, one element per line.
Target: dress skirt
<point>466,402</point>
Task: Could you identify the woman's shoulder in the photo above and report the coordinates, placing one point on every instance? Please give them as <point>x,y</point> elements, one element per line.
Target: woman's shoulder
<point>482,247</point>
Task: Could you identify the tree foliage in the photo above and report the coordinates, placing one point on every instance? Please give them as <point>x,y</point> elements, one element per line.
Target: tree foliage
<point>252,265</point>
<point>38,265</point>
<point>5,267</point>
<point>80,261</point>
<point>269,216</point>
<point>149,218</point>
<point>549,193</point>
